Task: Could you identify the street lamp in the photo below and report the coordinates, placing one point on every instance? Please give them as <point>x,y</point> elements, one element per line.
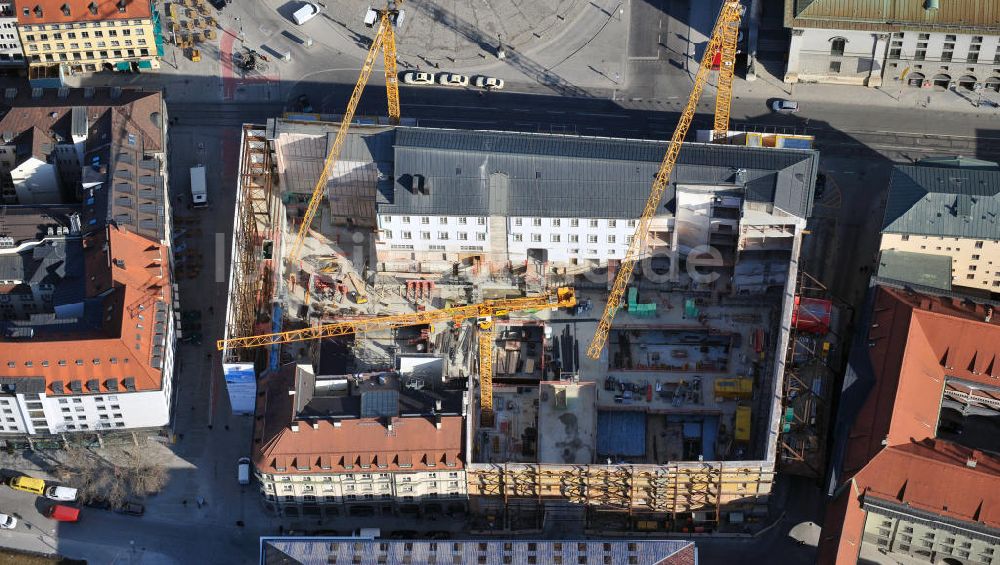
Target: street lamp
<point>501,54</point>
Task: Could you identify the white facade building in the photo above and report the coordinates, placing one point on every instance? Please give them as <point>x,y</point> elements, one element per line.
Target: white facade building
<point>893,45</point>
<point>11,51</point>
<point>565,240</point>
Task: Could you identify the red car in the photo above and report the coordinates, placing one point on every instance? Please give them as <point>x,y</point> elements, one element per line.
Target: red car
<point>63,513</point>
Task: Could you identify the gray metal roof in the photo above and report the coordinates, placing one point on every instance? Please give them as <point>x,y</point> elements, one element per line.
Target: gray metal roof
<point>943,201</point>
<point>520,174</point>
<point>365,551</point>
<point>916,268</point>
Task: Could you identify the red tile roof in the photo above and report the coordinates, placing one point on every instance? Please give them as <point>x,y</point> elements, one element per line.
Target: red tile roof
<point>52,11</point>
<point>415,441</point>
<point>120,262</point>
<point>915,343</point>
<point>930,475</point>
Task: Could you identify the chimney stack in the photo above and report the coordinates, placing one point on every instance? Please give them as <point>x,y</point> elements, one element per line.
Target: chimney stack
<point>437,422</point>
<point>295,426</point>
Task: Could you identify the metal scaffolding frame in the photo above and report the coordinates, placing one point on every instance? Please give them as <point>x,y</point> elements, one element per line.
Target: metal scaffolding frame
<point>799,448</point>
<point>251,282</point>
<point>672,493</point>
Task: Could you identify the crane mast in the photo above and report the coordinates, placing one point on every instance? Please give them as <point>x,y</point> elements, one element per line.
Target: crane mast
<point>385,40</point>
<point>727,24</point>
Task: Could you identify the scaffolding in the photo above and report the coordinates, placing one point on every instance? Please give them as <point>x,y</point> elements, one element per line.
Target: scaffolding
<point>255,242</point>
<point>805,405</point>
<point>678,496</point>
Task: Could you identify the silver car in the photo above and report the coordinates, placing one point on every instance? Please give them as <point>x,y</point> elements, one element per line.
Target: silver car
<point>417,77</point>
<point>489,83</point>
<point>452,79</point>
<point>785,106</point>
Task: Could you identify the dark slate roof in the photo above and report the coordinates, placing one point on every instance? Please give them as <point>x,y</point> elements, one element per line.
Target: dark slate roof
<point>916,268</point>
<point>31,223</point>
<point>521,174</point>
<point>943,201</point>
<point>53,262</point>
<point>321,550</point>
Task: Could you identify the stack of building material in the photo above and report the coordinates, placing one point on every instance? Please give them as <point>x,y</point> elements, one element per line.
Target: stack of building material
<point>637,309</point>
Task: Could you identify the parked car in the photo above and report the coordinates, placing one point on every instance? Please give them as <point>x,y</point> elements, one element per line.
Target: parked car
<point>243,470</point>
<point>27,484</point>
<point>66,494</point>
<point>417,77</point>
<point>452,79</point>
<point>785,106</point>
<point>7,521</point>
<point>63,513</point>
<point>490,83</point>
<point>306,12</point>
<point>132,509</point>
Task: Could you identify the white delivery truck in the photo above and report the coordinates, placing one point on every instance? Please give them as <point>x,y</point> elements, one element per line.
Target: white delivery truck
<point>199,192</point>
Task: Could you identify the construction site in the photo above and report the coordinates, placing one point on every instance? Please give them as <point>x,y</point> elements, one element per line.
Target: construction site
<point>496,252</point>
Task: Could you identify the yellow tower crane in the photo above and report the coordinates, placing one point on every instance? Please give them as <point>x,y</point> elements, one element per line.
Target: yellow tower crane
<point>723,40</point>
<point>484,312</point>
<point>385,41</point>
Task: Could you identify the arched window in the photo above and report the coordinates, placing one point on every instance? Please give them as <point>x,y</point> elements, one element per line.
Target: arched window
<point>837,45</point>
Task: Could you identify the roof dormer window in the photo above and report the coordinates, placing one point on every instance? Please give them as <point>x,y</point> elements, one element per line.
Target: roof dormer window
<point>65,9</point>
<point>38,11</point>
<point>93,8</point>
<point>121,6</point>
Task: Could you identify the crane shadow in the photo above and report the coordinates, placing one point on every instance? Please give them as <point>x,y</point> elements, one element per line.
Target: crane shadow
<point>525,65</point>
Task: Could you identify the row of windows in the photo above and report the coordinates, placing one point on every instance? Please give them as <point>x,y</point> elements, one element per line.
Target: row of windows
<point>349,477</point>
<point>442,220</point>
<point>426,235</point>
<point>573,222</point>
<point>83,34</point>
<point>63,363</point>
<point>77,25</point>
<point>86,45</point>
<point>118,53</point>
<point>571,238</point>
<point>554,222</point>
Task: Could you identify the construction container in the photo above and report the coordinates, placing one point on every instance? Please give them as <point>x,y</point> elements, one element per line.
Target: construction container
<point>739,388</point>
<point>742,425</point>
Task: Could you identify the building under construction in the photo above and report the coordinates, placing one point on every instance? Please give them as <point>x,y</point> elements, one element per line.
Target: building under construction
<point>675,427</point>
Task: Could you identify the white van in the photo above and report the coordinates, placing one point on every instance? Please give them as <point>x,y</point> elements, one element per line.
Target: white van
<point>65,494</point>
<point>243,470</point>
<point>306,12</point>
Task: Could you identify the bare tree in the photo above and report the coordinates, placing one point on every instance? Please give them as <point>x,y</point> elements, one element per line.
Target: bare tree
<point>113,475</point>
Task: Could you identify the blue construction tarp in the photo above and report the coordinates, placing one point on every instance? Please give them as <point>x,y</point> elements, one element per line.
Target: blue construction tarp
<point>621,434</point>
